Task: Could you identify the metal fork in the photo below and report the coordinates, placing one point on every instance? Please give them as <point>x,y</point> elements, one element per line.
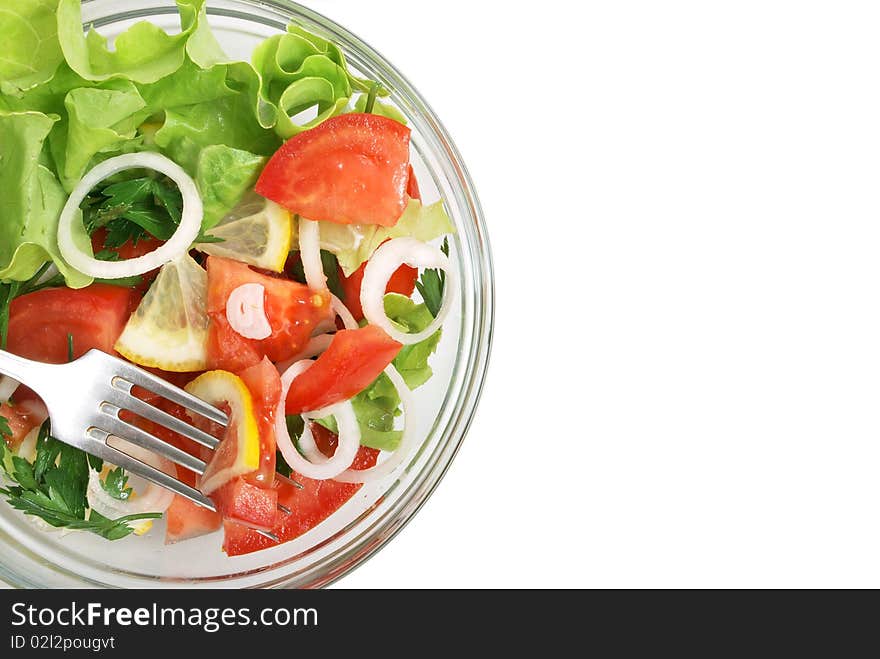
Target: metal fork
<point>87,399</point>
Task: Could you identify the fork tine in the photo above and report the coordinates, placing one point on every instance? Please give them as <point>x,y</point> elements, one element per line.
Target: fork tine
<point>128,376</point>
<point>113,425</point>
<point>135,466</point>
<point>131,403</point>
<point>289,481</point>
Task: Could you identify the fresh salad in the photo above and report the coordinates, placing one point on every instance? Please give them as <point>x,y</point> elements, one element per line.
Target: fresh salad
<point>251,231</point>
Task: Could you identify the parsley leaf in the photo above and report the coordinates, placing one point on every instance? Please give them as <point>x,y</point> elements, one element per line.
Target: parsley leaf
<point>133,209</point>
<point>45,507</point>
<point>431,285</point>
<point>54,487</point>
<point>331,271</point>
<point>116,484</point>
<point>5,430</point>
<point>208,238</point>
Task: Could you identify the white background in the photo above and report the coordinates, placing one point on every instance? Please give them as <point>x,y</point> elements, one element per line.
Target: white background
<point>683,199</point>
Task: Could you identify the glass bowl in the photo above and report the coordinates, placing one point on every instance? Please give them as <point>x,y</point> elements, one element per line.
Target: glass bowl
<point>33,557</point>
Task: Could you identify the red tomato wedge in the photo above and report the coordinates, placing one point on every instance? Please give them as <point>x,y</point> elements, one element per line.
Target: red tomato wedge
<point>264,383</point>
<point>351,169</point>
<point>127,251</point>
<point>185,520</point>
<point>403,281</point>
<point>353,361</point>
<point>293,311</point>
<point>130,251</point>
<point>20,421</point>
<point>310,506</point>
<point>239,501</point>
<point>40,322</point>
<point>412,185</point>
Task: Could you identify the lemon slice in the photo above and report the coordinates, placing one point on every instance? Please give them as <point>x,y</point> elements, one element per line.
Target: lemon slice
<point>257,232</point>
<point>169,330</point>
<point>239,452</point>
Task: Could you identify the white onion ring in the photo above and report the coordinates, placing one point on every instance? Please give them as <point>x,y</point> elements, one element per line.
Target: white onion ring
<point>28,447</point>
<point>153,498</point>
<point>246,312</point>
<point>349,433</point>
<point>384,263</point>
<point>8,386</point>
<point>36,409</point>
<point>407,442</point>
<point>342,311</point>
<point>310,254</point>
<point>177,245</point>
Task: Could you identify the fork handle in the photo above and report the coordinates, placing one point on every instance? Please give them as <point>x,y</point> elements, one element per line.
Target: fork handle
<point>19,368</point>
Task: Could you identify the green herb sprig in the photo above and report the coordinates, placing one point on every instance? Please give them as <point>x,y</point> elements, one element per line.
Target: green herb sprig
<point>132,210</point>
<point>53,488</point>
<point>431,285</point>
<point>116,484</point>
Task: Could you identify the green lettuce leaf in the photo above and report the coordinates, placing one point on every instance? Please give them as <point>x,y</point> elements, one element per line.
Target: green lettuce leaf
<point>299,72</point>
<point>31,200</point>
<point>223,175</point>
<point>376,408</point>
<point>380,108</point>
<point>227,122</point>
<point>412,361</point>
<point>151,90</point>
<point>144,53</point>
<point>31,51</point>
<point>98,120</point>
<point>354,244</point>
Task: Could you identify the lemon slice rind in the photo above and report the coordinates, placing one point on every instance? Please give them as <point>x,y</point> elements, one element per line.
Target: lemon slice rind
<point>262,239</point>
<point>169,329</point>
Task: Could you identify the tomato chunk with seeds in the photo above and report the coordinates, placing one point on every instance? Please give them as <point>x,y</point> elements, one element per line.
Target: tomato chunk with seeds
<point>39,323</point>
<point>239,501</point>
<point>292,309</point>
<point>20,421</point>
<point>309,506</point>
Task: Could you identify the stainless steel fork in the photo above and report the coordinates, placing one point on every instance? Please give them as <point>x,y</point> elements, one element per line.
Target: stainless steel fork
<point>87,399</point>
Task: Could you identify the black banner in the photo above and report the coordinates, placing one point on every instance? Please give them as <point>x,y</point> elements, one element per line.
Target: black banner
<point>404,623</point>
<point>74,622</point>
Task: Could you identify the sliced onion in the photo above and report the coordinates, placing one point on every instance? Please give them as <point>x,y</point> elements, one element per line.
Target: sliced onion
<point>177,245</point>
<point>320,467</point>
<point>384,263</point>
<point>35,409</point>
<point>310,253</point>
<point>150,498</point>
<point>246,312</point>
<point>8,386</point>
<point>342,311</point>
<point>28,447</point>
<point>407,442</point>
